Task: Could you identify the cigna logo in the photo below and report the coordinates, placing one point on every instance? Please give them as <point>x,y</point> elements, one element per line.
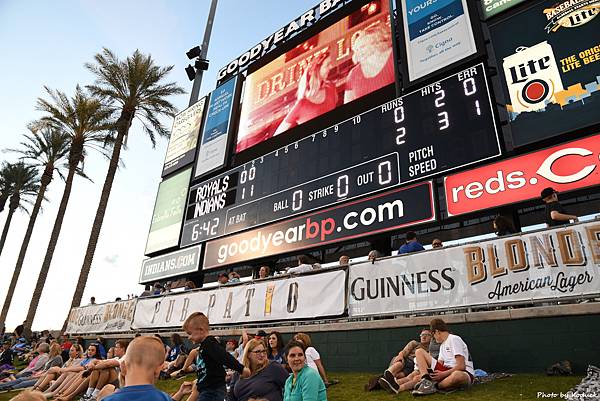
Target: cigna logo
<point>568,167</point>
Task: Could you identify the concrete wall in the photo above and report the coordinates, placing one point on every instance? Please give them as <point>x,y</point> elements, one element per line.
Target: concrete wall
<point>528,345</point>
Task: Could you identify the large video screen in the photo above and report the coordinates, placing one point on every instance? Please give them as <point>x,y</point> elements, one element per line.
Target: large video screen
<point>343,62</point>
<point>550,56</point>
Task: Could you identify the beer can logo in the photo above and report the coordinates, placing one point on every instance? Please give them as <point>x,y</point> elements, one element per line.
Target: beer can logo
<point>532,77</point>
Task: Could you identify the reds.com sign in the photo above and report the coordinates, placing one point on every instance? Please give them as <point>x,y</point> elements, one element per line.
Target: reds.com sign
<point>567,167</point>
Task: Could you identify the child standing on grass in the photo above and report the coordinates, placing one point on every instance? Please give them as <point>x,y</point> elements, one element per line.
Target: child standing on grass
<point>211,359</point>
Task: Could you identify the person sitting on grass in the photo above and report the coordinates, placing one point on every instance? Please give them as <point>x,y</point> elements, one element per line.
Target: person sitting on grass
<point>189,366</point>
<point>312,356</point>
<point>304,384</point>
<point>54,360</point>
<point>402,365</point>
<point>71,382</point>
<point>140,368</point>
<point>176,356</point>
<point>211,359</point>
<point>75,353</point>
<point>36,365</point>
<point>6,357</point>
<point>104,372</point>
<point>29,396</point>
<point>267,378</point>
<point>452,369</point>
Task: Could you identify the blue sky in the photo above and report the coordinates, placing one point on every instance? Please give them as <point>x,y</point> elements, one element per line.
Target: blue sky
<point>47,43</point>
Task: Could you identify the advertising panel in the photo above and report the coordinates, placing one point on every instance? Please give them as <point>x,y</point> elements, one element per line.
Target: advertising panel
<point>170,265</point>
<point>343,62</point>
<point>442,126</point>
<point>437,34</point>
<point>566,167</point>
<point>542,265</point>
<point>550,68</point>
<point>212,153</point>
<point>184,137</point>
<point>102,318</point>
<point>291,298</point>
<point>168,212</point>
<point>383,212</point>
<point>493,7</point>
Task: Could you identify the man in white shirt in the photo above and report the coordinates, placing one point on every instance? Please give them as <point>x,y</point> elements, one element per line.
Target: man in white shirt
<point>453,368</point>
<point>104,374</point>
<point>303,266</point>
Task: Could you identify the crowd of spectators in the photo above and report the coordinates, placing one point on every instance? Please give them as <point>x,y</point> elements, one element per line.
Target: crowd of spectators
<point>257,367</point>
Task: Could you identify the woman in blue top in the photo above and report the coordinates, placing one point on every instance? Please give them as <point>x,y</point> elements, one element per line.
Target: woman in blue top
<point>74,381</point>
<point>275,348</point>
<point>304,384</point>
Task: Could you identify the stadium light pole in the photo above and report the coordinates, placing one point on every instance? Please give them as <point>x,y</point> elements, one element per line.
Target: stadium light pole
<point>202,63</point>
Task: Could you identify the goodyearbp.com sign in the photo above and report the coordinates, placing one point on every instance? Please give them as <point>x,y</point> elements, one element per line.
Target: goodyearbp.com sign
<point>547,264</point>
<point>390,210</point>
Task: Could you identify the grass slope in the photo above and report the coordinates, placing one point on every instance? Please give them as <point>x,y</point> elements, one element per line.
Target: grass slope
<point>350,388</point>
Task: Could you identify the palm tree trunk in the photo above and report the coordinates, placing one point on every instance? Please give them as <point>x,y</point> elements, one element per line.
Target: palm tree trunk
<point>6,227</point>
<point>123,125</point>
<point>62,209</point>
<point>45,181</point>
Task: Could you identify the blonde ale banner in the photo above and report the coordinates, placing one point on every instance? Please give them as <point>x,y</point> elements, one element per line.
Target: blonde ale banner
<point>548,264</point>
<point>292,298</point>
<point>102,318</point>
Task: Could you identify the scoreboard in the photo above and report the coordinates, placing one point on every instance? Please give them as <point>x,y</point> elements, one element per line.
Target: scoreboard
<point>437,128</point>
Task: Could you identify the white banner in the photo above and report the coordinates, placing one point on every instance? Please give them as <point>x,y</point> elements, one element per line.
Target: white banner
<point>437,34</point>
<point>103,318</point>
<point>555,263</point>
<point>292,298</point>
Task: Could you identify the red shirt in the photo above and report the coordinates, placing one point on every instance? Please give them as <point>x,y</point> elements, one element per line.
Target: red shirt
<point>66,346</point>
<point>361,85</point>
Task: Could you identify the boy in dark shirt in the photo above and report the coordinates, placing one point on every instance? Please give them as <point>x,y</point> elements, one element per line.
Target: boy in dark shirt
<point>211,359</point>
<point>6,357</point>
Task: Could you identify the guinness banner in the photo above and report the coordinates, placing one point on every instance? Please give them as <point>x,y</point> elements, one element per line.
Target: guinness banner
<point>291,298</point>
<point>555,263</point>
<point>103,318</point>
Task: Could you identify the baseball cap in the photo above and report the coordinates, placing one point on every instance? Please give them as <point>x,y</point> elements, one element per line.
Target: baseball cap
<point>546,192</point>
<point>261,333</point>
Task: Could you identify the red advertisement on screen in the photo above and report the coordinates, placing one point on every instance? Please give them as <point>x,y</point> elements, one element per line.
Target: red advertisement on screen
<point>343,62</point>
<point>566,167</point>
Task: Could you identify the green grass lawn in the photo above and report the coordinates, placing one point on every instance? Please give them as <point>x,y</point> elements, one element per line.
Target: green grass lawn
<point>350,387</point>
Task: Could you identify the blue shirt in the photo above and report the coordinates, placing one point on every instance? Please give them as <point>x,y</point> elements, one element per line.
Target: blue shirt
<point>412,246</point>
<point>145,392</point>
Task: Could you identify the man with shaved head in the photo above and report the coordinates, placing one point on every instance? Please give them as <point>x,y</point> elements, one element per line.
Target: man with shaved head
<point>141,367</point>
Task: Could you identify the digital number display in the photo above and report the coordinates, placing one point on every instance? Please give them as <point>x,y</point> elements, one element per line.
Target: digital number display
<point>437,128</point>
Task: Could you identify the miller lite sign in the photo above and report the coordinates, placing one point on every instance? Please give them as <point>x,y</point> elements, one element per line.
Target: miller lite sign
<point>550,67</point>
<point>532,77</point>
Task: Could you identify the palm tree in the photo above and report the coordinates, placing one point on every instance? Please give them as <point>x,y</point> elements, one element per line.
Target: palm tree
<point>135,86</point>
<point>45,149</point>
<point>24,182</point>
<point>4,187</point>
<point>86,121</point>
